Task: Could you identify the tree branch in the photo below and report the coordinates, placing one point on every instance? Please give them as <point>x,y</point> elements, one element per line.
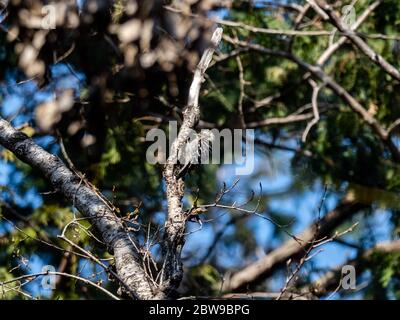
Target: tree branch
<point>332,279</point>
<point>259,270</point>
<point>317,72</point>
<point>358,42</point>
<point>89,203</point>
<point>171,273</point>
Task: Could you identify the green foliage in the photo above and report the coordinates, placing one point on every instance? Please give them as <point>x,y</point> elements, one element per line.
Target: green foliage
<point>385,274</point>
<point>203,280</point>
<point>116,103</point>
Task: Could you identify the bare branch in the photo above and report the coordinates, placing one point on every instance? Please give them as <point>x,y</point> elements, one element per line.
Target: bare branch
<point>360,44</point>
<point>317,72</point>
<point>332,279</point>
<point>314,102</point>
<point>171,272</point>
<point>34,276</point>
<point>260,269</point>
<point>87,201</point>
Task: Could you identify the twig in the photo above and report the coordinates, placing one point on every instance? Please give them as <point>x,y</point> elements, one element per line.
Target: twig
<point>38,274</point>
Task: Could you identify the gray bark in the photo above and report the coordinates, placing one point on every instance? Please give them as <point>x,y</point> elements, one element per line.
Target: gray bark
<point>176,221</point>
<point>88,201</point>
<point>92,204</point>
<point>358,42</point>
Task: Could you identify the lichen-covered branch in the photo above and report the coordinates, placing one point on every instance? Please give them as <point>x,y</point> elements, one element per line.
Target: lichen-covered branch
<point>175,225</point>
<point>88,201</point>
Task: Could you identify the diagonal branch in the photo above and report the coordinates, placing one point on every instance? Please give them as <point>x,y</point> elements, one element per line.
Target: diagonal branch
<point>358,42</point>
<point>335,46</point>
<point>89,203</point>
<point>259,270</point>
<point>331,281</point>
<point>341,92</point>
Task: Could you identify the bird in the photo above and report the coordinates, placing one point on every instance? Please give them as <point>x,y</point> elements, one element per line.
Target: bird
<point>194,151</point>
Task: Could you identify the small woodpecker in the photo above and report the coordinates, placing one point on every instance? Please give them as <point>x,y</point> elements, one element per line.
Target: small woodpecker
<point>195,151</point>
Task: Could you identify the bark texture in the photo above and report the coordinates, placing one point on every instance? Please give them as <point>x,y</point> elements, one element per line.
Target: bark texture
<point>89,203</point>
<point>176,221</point>
<point>87,199</point>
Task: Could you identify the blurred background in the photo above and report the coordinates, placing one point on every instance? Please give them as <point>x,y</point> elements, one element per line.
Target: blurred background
<point>109,71</point>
